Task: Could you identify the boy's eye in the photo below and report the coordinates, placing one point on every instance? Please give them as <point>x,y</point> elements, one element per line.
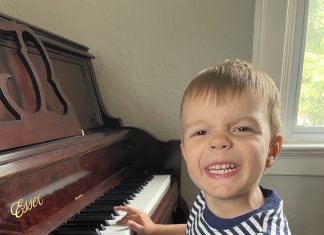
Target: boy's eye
<point>200,133</point>
<point>242,129</point>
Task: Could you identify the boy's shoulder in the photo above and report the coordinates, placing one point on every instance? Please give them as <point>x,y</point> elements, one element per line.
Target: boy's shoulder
<point>264,220</point>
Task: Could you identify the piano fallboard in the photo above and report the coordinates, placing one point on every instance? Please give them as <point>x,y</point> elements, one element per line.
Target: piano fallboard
<point>42,188</point>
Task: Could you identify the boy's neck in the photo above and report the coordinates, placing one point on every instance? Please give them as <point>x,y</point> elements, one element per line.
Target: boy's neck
<point>237,206</point>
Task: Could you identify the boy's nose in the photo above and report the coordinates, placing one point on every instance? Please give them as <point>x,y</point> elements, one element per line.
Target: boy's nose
<point>219,142</point>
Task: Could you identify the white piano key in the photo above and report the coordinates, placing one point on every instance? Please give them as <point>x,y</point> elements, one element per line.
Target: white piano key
<point>146,200</point>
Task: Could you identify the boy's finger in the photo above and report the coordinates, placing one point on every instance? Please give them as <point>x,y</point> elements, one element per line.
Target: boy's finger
<point>132,217</point>
<point>125,208</point>
<point>135,226</point>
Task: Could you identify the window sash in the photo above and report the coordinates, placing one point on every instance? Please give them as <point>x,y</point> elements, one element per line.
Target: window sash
<point>293,132</point>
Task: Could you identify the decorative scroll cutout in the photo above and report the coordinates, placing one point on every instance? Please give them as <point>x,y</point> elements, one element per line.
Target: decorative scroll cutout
<point>41,125</point>
<point>8,102</point>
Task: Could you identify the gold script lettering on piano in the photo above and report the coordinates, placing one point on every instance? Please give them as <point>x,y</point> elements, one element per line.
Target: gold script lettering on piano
<point>20,207</point>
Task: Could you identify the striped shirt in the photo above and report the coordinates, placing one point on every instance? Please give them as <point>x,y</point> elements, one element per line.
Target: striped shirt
<point>268,219</point>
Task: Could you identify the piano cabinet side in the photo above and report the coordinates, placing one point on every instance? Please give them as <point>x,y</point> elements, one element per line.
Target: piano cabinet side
<point>163,214</point>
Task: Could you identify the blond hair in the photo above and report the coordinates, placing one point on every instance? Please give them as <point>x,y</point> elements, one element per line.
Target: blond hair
<point>230,79</point>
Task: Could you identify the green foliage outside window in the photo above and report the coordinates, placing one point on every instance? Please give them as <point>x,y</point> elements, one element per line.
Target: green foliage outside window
<point>311,101</point>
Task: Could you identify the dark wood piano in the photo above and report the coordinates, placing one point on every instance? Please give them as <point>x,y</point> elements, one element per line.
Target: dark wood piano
<point>59,148</point>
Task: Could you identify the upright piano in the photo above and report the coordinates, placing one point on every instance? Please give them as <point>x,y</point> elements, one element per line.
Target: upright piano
<point>60,151</point>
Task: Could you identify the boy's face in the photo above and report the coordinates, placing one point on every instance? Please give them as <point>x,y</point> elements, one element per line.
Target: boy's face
<point>226,146</point>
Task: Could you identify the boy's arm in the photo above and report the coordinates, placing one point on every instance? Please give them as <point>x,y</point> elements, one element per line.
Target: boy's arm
<point>141,223</point>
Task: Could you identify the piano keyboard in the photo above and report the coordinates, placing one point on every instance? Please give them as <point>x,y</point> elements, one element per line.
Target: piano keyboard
<point>99,218</point>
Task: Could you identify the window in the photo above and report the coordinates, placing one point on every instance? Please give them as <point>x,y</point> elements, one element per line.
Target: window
<point>289,44</point>
<point>305,119</point>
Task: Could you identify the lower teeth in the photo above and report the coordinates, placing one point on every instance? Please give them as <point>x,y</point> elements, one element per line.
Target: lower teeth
<point>220,172</point>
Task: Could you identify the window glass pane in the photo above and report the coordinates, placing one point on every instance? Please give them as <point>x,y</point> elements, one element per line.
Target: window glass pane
<point>311,101</point>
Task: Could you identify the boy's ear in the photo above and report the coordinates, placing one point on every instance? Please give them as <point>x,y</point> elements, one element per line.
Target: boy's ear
<point>183,151</point>
<point>274,150</point>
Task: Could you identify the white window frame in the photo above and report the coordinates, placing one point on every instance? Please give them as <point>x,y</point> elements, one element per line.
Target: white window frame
<point>275,50</point>
<point>299,22</point>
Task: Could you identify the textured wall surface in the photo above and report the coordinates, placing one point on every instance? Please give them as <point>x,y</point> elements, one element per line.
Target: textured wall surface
<point>147,51</point>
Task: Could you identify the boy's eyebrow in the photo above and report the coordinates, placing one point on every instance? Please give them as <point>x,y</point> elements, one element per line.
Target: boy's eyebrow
<point>187,126</point>
<point>246,118</point>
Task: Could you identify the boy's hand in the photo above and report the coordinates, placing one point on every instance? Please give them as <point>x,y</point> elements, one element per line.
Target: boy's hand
<point>137,220</point>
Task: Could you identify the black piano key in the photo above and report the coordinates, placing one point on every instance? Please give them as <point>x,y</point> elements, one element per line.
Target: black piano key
<point>78,232</point>
<point>115,213</point>
<point>98,211</point>
<point>96,215</point>
<point>84,212</point>
<point>82,226</point>
<point>115,197</point>
<point>83,220</point>
<point>127,187</point>
<point>114,201</point>
<point>90,224</point>
<point>93,217</point>
<point>133,182</point>
<point>123,192</point>
<point>131,185</point>
<point>99,207</point>
<point>111,211</point>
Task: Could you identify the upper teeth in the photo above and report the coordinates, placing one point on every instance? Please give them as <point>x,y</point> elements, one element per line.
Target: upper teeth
<point>221,168</point>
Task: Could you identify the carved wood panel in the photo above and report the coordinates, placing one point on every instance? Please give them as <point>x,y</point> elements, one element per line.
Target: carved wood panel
<point>28,114</point>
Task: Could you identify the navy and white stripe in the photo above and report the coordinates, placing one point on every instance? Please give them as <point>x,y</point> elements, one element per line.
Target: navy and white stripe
<point>269,219</point>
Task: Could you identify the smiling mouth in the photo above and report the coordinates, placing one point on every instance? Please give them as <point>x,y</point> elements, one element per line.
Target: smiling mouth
<point>223,168</point>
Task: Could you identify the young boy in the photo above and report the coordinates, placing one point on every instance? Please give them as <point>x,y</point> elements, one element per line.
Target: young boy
<point>230,135</point>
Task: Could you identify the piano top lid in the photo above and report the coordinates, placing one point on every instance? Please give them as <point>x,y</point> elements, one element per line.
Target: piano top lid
<point>51,39</point>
